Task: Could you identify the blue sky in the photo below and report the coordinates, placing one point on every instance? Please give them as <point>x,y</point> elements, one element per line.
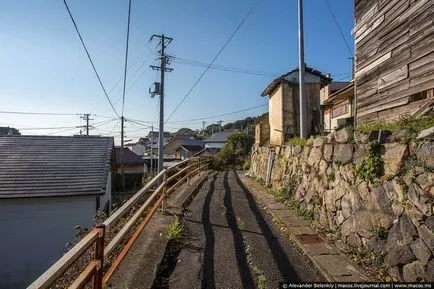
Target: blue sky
<point>45,69</point>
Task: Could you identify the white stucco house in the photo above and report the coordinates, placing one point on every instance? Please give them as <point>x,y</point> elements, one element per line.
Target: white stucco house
<point>48,186</point>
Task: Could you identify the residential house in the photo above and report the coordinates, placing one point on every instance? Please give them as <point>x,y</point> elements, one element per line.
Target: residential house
<point>337,108</point>
<point>283,93</point>
<point>187,151</point>
<point>48,186</point>
<point>153,138</point>
<point>137,148</point>
<point>5,130</point>
<point>170,149</point>
<point>218,140</point>
<point>132,162</point>
<point>394,62</point>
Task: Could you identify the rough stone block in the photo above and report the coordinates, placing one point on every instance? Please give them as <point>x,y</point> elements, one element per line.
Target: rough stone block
<point>427,236</point>
<point>430,270</point>
<point>413,272</point>
<point>343,153</point>
<point>415,195</point>
<point>319,141</point>
<point>425,180</point>
<point>421,251</point>
<point>359,153</point>
<point>425,154</point>
<point>399,254</point>
<point>315,156</point>
<point>328,153</point>
<point>426,133</point>
<point>345,134</point>
<point>393,157</point>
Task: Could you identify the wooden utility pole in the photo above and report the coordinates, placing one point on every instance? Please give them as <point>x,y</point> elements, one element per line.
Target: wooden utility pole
<point>203,128</point>
<point>164,42</point>
<point>220,125</point>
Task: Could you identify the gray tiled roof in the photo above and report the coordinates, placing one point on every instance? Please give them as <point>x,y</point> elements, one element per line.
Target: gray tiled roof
<point>5,130</point>
<point>220,137</point>
<point>43,166</point>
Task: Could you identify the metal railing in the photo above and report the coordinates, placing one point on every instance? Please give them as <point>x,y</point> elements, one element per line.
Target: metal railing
<point>165,184</point>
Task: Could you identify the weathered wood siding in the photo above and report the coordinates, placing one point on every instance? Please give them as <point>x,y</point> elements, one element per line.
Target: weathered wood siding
<point>394,56</point>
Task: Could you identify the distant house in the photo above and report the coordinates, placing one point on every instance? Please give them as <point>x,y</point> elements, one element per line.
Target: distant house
<point>5,130</point>
<point>283,93</point>
<point>48,186</point>
<point>338,108</point>
<point>187,151</point>
<point>170,149</point>
<point>218,140</point>
<point>137,148</point>
<point>132,162</point>
<point>153,139</point>
<point>394,55</point>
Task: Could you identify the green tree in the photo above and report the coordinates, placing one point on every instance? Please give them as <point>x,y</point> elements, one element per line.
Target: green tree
<point>236,150</point>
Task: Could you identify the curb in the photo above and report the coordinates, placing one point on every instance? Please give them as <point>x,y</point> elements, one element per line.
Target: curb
<point>356,275</point>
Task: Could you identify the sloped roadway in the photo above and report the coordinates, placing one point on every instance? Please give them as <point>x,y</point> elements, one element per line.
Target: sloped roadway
<point>231,242</point>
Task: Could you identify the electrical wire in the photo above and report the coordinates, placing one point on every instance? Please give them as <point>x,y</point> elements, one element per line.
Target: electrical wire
<point>339,27</point>
<point>126,57</point>
<point>223,68</point>
<point>90,59</point>
<point>255,3</point>
<point>225,114</point>
<point>39,113</point>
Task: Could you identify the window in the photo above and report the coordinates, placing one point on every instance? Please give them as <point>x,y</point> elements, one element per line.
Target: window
<point>418,96</point>
<point>342,108</point>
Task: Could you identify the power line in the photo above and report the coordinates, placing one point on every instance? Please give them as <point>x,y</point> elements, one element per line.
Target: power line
<point>339,27</point>
<point>126,56</point>
<point>39,113</point>
<point>223,68</point>
<point>220,115</point>
<point>90,59</point>
<point>215,58</point>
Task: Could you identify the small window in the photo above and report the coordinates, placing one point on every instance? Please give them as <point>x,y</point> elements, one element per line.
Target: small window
<point>418,96</point>
<point>340,109</point>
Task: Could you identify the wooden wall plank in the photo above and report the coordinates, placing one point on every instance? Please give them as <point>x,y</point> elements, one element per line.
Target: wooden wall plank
<point>390,78</point>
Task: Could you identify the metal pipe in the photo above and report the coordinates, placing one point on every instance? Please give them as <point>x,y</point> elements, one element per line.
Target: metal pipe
<point>303,132</point>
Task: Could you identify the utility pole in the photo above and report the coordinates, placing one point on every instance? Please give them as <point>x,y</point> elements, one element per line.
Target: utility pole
<point>220,125</point>
<point>203,128</point>
<point>122,154</point>
<point>164,42</point>
<point>87,119</point>
<point>152,150</point>
<point>301,69</point>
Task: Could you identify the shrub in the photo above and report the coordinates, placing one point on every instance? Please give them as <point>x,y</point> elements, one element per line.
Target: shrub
<point>372,166</point>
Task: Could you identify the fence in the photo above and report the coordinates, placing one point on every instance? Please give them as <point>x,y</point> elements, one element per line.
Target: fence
<point>164,184</point>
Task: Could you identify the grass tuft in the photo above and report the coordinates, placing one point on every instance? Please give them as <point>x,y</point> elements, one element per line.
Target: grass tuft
<point>175,231</point>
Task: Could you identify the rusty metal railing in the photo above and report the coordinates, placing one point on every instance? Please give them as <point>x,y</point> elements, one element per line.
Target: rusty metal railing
<point>95,267</point>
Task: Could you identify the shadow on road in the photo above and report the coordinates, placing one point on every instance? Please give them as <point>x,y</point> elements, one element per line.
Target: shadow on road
<point>279,255</point>
<point>208,258</point>
<point>240,250</point>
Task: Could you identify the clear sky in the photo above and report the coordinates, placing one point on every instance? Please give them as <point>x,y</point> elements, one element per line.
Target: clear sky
<point>43,67</point>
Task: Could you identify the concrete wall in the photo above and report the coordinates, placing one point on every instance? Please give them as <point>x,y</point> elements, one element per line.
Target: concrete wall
<point>391,217</point>
<point>34,234</point>
<point>275,108</point>
<point>262,133</point>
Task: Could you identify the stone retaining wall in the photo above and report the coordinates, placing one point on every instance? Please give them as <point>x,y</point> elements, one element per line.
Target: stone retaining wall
<point>392,214</point>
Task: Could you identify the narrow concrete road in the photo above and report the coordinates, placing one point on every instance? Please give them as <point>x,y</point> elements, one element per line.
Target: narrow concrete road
<point>233,243</point>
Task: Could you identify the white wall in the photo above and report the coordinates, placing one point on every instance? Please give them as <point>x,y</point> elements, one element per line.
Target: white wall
<point>217,145</point>
<point>34,232</point>
<point>107,197</point>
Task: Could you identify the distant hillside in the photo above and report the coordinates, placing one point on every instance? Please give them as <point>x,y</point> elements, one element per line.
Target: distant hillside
<point>246,125</point>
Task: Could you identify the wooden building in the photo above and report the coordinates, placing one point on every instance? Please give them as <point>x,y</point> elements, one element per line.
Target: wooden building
<point>394,65</point>
<point>338,108</point>
<point>284,116</point>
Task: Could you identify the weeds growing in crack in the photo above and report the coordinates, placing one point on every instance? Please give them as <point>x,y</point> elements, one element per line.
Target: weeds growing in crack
<point>175,230</point>
<point>260,277</point>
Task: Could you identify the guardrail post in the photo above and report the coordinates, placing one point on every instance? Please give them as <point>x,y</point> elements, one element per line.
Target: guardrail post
<point>198,171</point>
<point>188,174</point>
<point>99,257</point>
<point>164,191</point>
